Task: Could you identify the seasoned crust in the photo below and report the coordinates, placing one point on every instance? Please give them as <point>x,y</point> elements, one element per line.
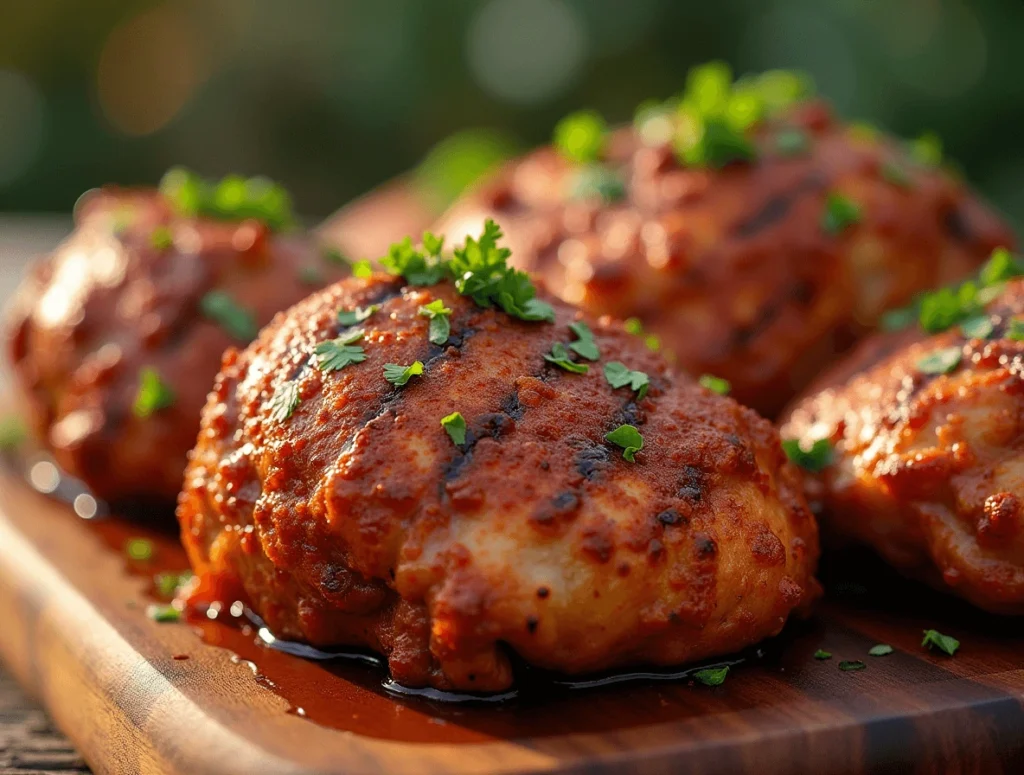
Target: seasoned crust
<point>109,302</point>
<point>731,267</point>
<point>927,468</point>
<point>359,521</point>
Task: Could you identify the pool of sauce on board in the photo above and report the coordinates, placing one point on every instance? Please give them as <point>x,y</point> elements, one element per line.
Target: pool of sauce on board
<point>350,690</point>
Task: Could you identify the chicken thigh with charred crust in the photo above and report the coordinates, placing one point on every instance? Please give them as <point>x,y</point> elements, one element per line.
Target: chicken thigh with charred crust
<point>916,443</point>
<point>117,336</point>
<point>752,231</point>
<point>445,468</point>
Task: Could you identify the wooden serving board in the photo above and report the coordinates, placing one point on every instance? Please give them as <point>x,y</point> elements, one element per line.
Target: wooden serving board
<point>137,696</point>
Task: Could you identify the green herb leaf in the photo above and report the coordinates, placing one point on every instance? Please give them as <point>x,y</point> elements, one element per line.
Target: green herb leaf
<point>333,255</point>
<point>840,212</point>
<point>440,327</point>
<point>898,319</point>
<point>933,639</point>
<point>880,650</point>
<point>850,665</point>
<point>712,676</point>
<point>715,384</point>
<point>633,326</point>
<point>596,181</point>
<point>629,438</point>
<point>417,267</point>
<point>12,432</point>
<point>580,136</point>
<point>362,268</point>
<point>927,149</point>
<point>1000,267</point>
<point>168,584</point>
<point>941,361</point>
<point>559,356</point>
<point>232,198</point>
<point>139,549</point>
<point>161,238</point>
<point>455,425</point>
<point>897,175</point>
<point>336,354</point>
<point>820,654</point>
<point>349,317</point>
<point>400,375</point>
<point>285,401</point>
<point>432,243</point>
<point>585,346</point>
<point>619,375</point>
<point>237,321</point>
<point>163,613</point>
<point>977,327</point>
<point>815,459</point>
<point>792,142</point>
<point>713,142</point>
<point>153,394</point>
<point>1015,330</point>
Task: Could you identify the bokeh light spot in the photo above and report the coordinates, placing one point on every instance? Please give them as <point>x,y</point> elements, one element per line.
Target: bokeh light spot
<point>526,51</point>
<point>149,67</point>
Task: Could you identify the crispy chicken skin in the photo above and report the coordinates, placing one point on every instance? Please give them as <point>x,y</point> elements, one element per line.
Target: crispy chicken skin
<point>733,268</point>
<point>113,300</point>
<point>358,521</point>
<point>928,469</point>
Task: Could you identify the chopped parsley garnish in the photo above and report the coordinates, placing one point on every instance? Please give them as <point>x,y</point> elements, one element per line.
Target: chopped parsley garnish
<point>362,268</point>
<point>580,136</point>
<point>840,212</point>
<point>619,375</point>
<point>822,654</point>
<point>712,142</point>
<point>633,326</point>
<point>851,665</point>
<point>479,270</point>
<point>893,172</point>
<point>559,356</point>
<point>792,142</point>
<point>880,650</point>
<point>715,384</point>
<point>629,438</point>
<point>232,198</point>
<point>310,275</point>
<point>652,342</point>
<point>161,238</point>
<point>236,320</point>
<point>933,639</point>
<point>163,613</point>
<point>336,354</point>
<point>584,346</point>
<point>977,327</point>
<point>349,317</point>
<point>596,181</point>
<point>153,394</point>
<point>712,676</point>
<point>399,375</point>
<point>1015,330</point>
<point>947,306</point>
<point>139,549</point>
<point>455,425</point>
<point>168,584</point>
<point>927,149</point>
<point>813,459</point>
<point>285,401</point>
<point>941,361</point>
<point>12,432</point>
<point>440,326</point>
<point>1000,267</point>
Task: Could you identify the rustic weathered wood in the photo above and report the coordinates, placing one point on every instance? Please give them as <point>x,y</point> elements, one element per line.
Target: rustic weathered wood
<point>76,635</point>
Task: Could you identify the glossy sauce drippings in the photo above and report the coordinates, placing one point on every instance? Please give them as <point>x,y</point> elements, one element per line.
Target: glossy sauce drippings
<point>350,690</point>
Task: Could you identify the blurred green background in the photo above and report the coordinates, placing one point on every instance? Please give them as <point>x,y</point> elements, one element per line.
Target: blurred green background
<point>332,97</point>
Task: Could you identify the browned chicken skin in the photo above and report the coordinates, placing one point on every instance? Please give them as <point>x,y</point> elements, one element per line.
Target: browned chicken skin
<point>927,468</point>
<point>357,520</point>
<point>124,293</point>
<point>733,267</point>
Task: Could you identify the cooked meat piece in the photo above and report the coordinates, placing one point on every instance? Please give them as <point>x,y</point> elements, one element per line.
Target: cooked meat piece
<point>335,504</point>
<point>759,271</point>
<point>927,433</point>
<point>117,336</point>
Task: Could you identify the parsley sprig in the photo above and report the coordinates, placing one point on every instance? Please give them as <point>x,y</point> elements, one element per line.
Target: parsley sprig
<point>620,375</point>
<point>629,439</point>
<point>285,401</point>
<point>239,322</point>
<point>153,394</point>
<point>454,425</point>
<point>814,458</point>
<point>440,326</point>
<point>232,198</point>
<point>585,346</point>
<point>580,136</point>
<point>559,356</point>
<point>350,317</point>
<point>933,639</point>
<point>336,354</point>
<point>399,375</point>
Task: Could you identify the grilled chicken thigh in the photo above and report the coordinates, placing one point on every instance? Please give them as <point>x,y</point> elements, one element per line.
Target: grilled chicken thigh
<point>754,255</point>
<point>919,439</point>
<point>583,526</point>
<point>117,336</point>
